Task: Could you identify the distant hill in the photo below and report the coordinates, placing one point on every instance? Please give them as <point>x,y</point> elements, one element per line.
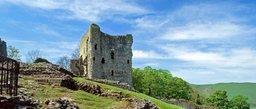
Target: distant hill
<point>233,89</point>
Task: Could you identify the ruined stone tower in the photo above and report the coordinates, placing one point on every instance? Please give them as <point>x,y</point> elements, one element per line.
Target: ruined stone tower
<point>106,57</point>
<point>3,50</point>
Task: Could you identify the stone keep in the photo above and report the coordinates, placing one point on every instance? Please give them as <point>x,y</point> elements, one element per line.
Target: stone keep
<point>103,56</point>
<point>3,50</point>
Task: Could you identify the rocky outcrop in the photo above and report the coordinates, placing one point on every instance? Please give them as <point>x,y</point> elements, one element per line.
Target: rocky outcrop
<point>18,102</point>
<point>87,87</point>
<point>187,104</point>
<point>60,103</point>
<point>132,103</point>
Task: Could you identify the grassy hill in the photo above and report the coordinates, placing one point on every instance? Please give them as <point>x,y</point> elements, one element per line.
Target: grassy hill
<point>83,99</point>
<point>233,89</point>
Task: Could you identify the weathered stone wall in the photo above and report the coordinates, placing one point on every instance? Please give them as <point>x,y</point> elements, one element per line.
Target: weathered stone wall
<point>3,50</point>
<point>187,104</point>
<point>44,72</point>
<point>114,83</point>
<point>76,68</point>
<point>106,57</point>
<point>43,69</point>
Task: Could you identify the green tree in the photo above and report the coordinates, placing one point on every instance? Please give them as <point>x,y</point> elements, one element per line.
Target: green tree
<point>197,98</point>
<point>239,102</point>
<point>138,79</point>
<point>219,99</point>
<point>160,83</point>
<point>13,53</point>
<point>39,60</point>
<point>178,88</point>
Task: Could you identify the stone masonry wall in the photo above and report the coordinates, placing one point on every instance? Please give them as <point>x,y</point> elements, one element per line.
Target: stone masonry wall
<point>187,104</point>
<point>3,50</point>
<point>104,56</point>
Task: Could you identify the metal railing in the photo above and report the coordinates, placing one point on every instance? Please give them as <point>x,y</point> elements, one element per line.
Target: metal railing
<point>9,70</point>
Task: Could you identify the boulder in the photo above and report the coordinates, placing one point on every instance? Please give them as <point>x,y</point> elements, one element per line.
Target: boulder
<point>60,103</point>
<point>137,104</point>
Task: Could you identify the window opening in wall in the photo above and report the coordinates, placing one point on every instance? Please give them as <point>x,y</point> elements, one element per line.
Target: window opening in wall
<point>95,46</point>
<point>85,60</point>
<point>86,45</point>
<point>112,73</point>
<point>128,61</point>
<point>103,60</point>
<point>112,55</point>
<point>93,58</point>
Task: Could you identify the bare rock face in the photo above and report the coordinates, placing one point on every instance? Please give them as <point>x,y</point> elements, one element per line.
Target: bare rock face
<point>60,103</point>
<point>3,50</point>
<point>89,87</point>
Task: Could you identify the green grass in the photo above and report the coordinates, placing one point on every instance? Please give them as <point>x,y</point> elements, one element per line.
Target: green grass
<point>159,103</point>
<point>82,99</point>
<point>233,89</point>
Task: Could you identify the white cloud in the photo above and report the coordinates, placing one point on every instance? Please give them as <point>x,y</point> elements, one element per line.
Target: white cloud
<point>243,57</point>
<point>95,11</point>
<point>210,76</point>
<point>198,31</point>
<point>151,64</point>
<point>46,30</point>
<point>147,54</point>
<point>42,4</point>
<point>151,22</point>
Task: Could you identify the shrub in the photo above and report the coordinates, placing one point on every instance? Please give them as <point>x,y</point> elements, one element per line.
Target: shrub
<point>38,60</point>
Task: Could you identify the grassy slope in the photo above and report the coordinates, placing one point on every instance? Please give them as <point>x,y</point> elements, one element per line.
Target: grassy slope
<point>82,99</point>
<point>233,89</point>
<point>159,103</point>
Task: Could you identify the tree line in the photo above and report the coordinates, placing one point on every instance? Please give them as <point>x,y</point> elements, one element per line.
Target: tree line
<point>220,99</point>
<point>160,83</point>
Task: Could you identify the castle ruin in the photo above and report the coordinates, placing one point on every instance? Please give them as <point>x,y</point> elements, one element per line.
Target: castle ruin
<point>103,56</point>
<point>3,50</point>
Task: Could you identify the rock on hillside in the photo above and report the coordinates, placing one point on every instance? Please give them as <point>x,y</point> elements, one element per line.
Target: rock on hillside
<point>60,103</point>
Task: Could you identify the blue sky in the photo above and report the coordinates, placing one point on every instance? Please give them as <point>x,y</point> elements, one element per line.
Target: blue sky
<point>201,41</point>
